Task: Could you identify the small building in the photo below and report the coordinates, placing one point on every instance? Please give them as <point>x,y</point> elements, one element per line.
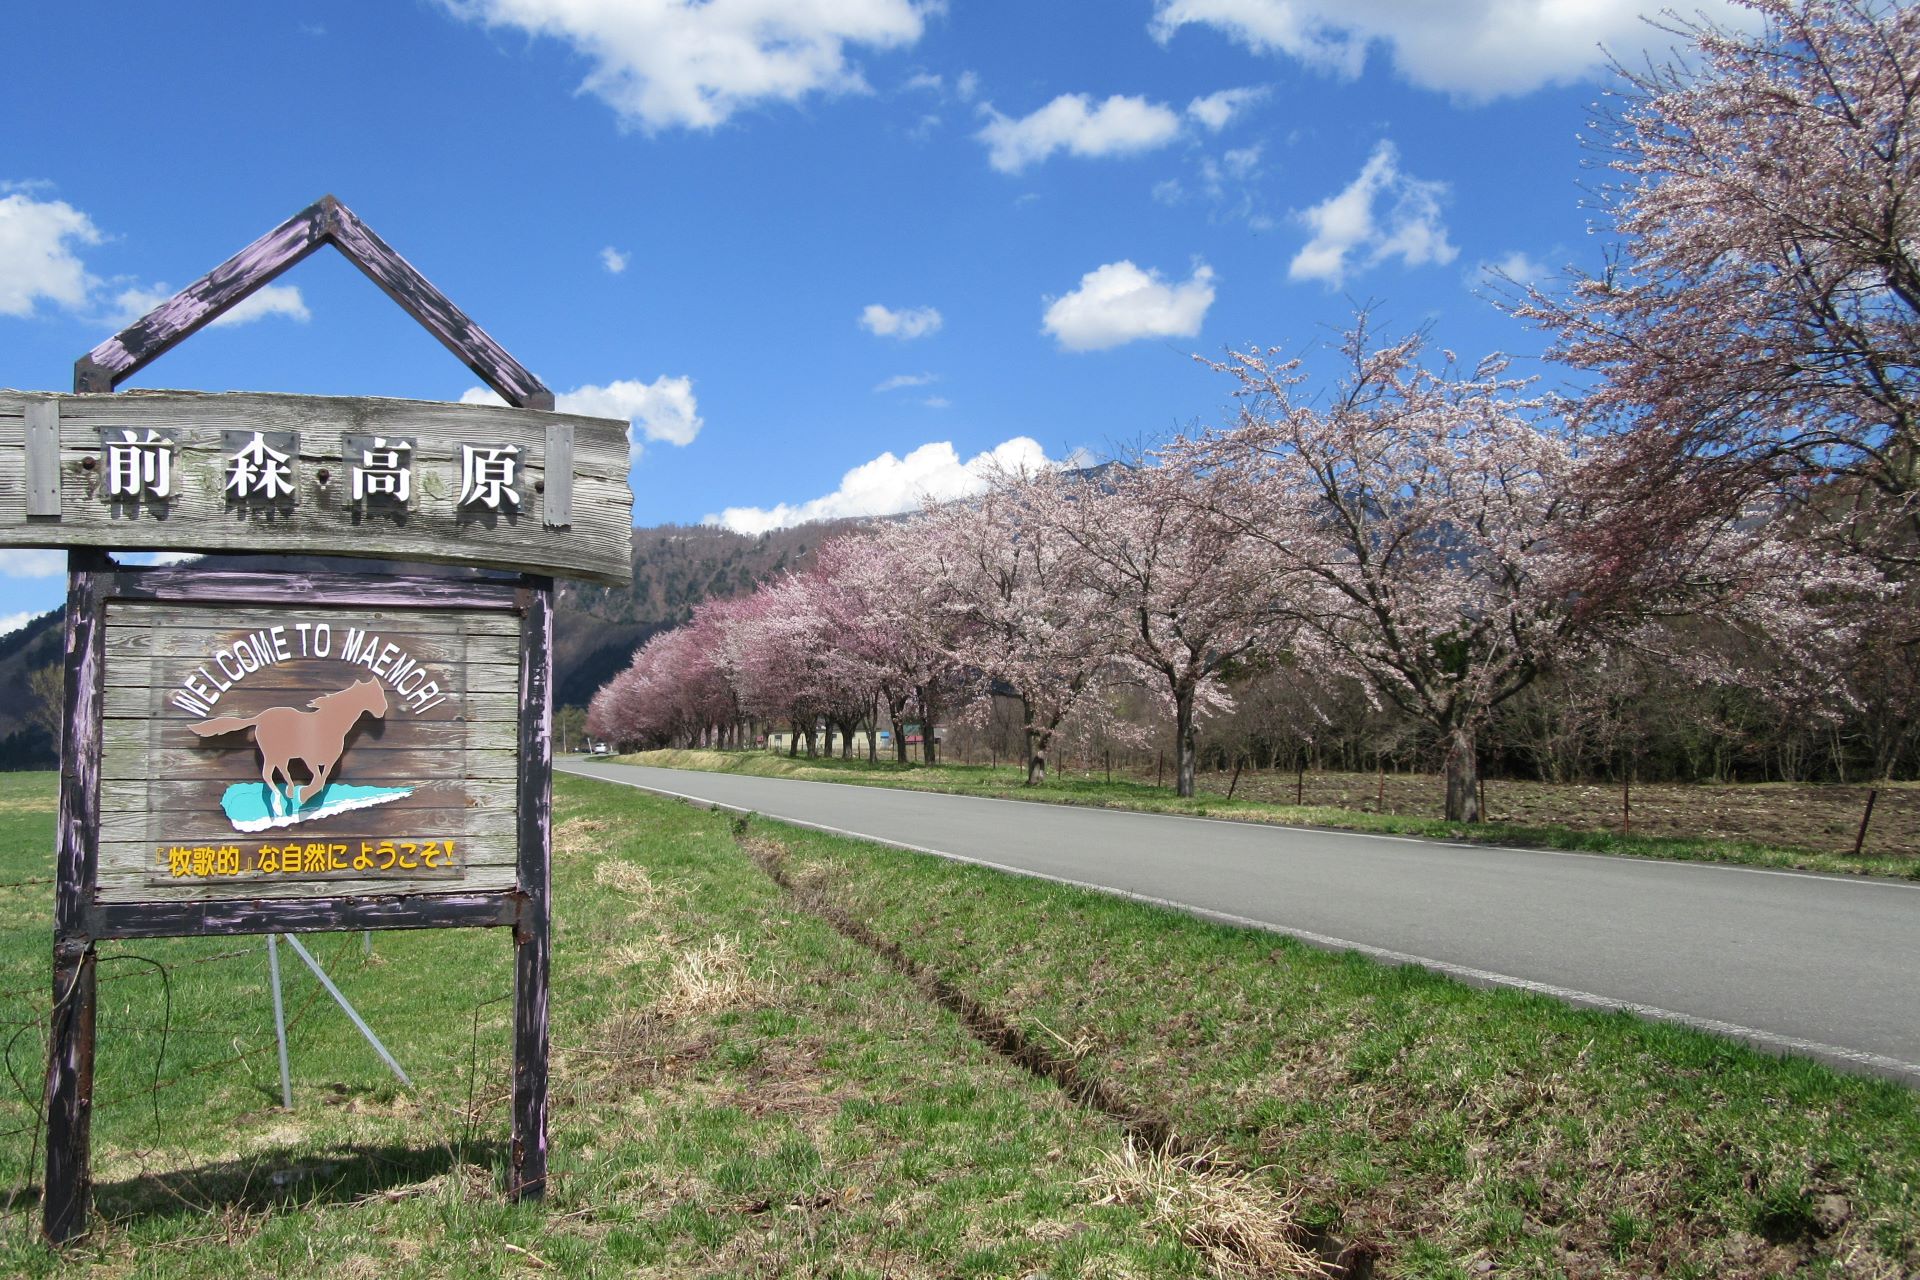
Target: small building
<point>827,741</point>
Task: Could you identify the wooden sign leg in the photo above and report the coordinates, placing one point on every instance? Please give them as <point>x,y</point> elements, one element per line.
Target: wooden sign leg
<point>69,1191</point>
<point>532,943</point>
<point>69,1096</point>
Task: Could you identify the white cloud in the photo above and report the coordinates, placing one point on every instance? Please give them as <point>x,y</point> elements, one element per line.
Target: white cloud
<point>14,621</point>
<point>664,409</point>
<point>937,402</point>
<point>666,63</point>
<point>1217,110</point>
<point>966,85</point>
<point>614,261</point>
<point>1349,230</point>
<point>273,300</point>
<point>889,485</point>
<point>1117,127</point>
<point>1120,303</point>
<point>900,380</point>
<point>21,563</point>
<point>905,324</point>
<point>39,261</point>
<point>1477,49</point>
<point>1519,266</point>
<point>38,258</point>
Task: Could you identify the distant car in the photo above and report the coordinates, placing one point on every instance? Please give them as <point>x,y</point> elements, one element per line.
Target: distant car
<point>600,749</point>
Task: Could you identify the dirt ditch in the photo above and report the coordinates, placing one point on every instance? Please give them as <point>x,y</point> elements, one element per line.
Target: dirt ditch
<point>1152,1142</point>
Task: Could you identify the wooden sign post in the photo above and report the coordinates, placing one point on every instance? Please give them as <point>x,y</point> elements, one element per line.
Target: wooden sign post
<point>275,752</point>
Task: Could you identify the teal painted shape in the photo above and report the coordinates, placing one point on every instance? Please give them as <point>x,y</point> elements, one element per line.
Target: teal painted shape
<point>250,806</point>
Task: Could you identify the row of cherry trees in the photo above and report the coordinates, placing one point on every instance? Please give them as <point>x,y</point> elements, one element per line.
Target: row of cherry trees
<point>1734,498</point>
<point>1426,531</point>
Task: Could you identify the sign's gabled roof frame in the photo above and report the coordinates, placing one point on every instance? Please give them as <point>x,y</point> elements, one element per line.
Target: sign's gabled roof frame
<point>326,221</point>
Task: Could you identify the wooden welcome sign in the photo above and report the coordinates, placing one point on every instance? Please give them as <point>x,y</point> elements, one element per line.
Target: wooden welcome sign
<point>274,752</point>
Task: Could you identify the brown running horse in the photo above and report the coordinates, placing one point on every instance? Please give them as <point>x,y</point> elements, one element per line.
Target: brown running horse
<point>315,738</point>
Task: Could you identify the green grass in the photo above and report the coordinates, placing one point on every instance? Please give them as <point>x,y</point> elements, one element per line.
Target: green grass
<point>777,1102</point>
<point>1008,782</point>
<point>740,1090</point>
<point>1452,1125</point>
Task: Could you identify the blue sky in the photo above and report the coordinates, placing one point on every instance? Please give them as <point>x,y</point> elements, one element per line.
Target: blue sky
<point>822,254</point>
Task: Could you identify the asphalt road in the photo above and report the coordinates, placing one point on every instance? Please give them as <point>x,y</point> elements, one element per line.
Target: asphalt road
<point>1827,966</point>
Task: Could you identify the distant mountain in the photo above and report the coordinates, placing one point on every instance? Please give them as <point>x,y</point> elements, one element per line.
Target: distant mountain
<point>596,629</point>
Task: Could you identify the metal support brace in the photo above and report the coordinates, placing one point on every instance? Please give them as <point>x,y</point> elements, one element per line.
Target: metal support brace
<point>279,1020</point>
<point>338,998</point>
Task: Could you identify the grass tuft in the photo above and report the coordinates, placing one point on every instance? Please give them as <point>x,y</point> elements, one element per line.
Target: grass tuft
<point>1236,1221</point>
<point>708,979</point>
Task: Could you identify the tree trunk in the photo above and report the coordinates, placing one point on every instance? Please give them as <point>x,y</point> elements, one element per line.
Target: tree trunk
<point>1183,737</point>
<point>793,742</point>
<point>1037,743</point>
<point>929,749</point>
<point>896,710</point>
<point>813,741</point>
<point>1463,775</point>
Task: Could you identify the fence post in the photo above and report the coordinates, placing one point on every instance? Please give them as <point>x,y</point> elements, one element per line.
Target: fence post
<point>1860,840</point>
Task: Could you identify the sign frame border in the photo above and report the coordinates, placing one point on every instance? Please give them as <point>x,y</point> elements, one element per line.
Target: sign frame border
<point>80,922</point>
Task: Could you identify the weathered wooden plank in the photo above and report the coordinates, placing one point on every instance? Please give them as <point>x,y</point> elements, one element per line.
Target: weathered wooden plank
<point>43,458</point>
<point>176,621</point>
<point>179,317</point>
<point>373,765</point>
<point>485,677</point>
<point>419,822</point>
<point>139,739</point>
<point>304,915</point>
<point>292,590</point>
<point>485,847</point>
<point>472,877</point>
<point>326,221</point>
<point>321,516</point>
<point>601,450</point>
<point>69,1090</point>
<point>428,617</point>
<point>172,794</point>
<point>532,938</point>
<point>143,702</point>
<point>557,510</point>
<point>69,1095</point>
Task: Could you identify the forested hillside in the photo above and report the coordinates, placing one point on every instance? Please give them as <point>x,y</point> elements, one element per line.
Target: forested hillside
<point>675,567</point>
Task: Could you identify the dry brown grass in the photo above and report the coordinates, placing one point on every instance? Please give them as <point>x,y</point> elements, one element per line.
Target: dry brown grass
<point>1822,817</point>
<point>1241,1226</point>
<point>577,837</point>
<point>707,979</point>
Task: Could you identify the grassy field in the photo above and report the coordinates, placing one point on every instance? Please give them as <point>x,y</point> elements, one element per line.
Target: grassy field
<point>783,1053</point>
<point>1769,825</point>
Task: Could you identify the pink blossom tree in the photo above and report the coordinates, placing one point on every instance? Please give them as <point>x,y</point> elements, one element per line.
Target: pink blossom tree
<point>1189,593</point>
<point>1024,619</point>
<point>1762,327</point>
<point>770,649</point>
<point>1428,527</point>
<point>895,625</point>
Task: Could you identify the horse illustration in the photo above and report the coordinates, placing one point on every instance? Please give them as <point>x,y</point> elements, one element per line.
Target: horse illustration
<point>315,738</point>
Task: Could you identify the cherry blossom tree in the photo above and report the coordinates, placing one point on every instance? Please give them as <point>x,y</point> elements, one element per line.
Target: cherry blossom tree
<point>1762,328</point>
<point>1429,527</point>
<point>894,623</point>
<point>1025,620</point>
<point>1189,593</point>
